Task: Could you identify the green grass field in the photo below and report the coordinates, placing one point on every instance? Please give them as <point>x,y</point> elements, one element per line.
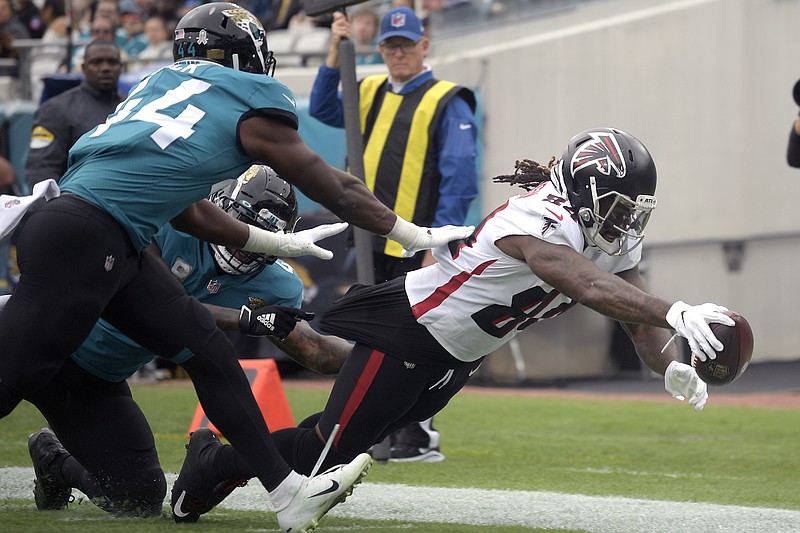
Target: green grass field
<point>611,448</point>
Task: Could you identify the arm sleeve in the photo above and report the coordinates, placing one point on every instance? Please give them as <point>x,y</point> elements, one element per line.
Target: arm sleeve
<point>50,142</point>
<point>324,103</point>
<point>457,145</point>
<point>793,152</point>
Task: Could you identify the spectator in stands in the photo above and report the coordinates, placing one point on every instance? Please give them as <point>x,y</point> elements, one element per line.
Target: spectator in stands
<point>50,11</point>
<point>102,28</point>
<point>364,23</point>
<point>159,44</point>
<point>130,36</point>
<point>439,116</point>
<point>10,29</point>
<point>61,120</point>
<point>9,22</point>
<point>28,14</point>
<point>108,9</point>
<point>170,10</point>
<point>7,51</point>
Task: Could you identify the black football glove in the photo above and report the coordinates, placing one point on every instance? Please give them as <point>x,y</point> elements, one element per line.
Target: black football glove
<point>270,321</point>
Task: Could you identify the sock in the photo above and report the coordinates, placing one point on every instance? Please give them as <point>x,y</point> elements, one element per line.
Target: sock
<point>231,465</point>
<point>75,475</point>
<point>285,492</point>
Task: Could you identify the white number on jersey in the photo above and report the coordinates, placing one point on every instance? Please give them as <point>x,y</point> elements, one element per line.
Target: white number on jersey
<point>171,128</point>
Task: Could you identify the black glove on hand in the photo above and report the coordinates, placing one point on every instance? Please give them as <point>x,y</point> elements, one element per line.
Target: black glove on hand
<point>271,321</point>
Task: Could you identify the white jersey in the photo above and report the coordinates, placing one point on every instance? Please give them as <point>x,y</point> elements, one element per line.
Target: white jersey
<point>476,298</point>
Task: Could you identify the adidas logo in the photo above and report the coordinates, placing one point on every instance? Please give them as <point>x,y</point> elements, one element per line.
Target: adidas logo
<point>267,320</point>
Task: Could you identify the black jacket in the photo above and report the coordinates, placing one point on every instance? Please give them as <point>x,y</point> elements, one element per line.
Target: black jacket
<point>58,123</point>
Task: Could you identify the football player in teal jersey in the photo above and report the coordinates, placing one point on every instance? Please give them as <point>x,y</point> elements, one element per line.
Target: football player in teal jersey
<point>110,451</point>
<point>210,115</point>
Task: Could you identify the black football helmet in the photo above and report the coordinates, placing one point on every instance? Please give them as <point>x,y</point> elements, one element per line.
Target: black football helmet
<point>226,34</point>
<point>609,178</point>
<point>261,198</point>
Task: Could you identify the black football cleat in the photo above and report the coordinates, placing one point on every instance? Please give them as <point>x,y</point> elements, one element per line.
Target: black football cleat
<point>197,489</point>
<point>49,491</point>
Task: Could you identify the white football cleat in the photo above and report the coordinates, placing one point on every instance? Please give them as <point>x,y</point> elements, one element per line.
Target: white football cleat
<point>319,494</point>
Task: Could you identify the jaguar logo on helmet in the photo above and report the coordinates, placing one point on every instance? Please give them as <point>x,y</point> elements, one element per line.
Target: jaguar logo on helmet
<point>602,151</point>
<point>249,174</point>
<point>247,22</point>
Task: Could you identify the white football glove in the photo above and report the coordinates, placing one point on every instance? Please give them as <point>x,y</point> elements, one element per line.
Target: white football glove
<point>691,322</point>
<point>292,244</point>
<point>682,382</point>
<point>414,238</point>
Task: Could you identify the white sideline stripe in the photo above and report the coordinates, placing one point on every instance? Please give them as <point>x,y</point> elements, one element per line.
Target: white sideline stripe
<point>529,509</point>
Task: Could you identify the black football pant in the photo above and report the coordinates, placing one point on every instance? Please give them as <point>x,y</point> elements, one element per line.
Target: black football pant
<point>78,264</point>
<point>374,395</point>
<point>113,452</point>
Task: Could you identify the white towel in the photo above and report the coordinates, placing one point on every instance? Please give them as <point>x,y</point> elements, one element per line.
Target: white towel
<point>12,208</point>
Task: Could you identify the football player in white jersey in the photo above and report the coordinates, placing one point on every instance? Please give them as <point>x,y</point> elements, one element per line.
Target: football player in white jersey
<point>574,237</point>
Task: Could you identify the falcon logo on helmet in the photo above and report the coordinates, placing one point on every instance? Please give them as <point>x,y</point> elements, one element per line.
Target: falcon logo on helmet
<point>601,150</point>
<point>610,180</point>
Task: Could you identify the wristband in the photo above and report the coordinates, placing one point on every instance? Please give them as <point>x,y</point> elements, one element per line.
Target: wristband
<point>403,232</point>
<point>262,241</point>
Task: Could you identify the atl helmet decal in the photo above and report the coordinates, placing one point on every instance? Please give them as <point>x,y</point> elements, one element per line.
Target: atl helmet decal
<point>398,20</point>
<point>247,22</point>
<point>602,151</point>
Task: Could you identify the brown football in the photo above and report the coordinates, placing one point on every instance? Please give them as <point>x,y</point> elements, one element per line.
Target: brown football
<point>732,361</point>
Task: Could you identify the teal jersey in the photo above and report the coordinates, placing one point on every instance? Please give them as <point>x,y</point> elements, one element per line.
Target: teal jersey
<point>110,355</point>
<point>174,137</point>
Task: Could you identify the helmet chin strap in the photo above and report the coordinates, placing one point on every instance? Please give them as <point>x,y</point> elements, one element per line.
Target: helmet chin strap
<point>235,61</point>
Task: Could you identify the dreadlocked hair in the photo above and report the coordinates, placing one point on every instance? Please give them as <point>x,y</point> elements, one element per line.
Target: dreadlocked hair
<point>527,174</point>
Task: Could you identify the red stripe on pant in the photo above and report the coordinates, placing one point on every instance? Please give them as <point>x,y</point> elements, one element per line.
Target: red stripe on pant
<point>359,391</point>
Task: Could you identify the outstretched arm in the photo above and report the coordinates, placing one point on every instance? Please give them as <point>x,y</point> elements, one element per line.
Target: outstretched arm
<point>209,223</point>
<point>649,340</point>
<point>323,354</point>
<point>575,276</point>
<point>572,274</point>
<point>281,147</point>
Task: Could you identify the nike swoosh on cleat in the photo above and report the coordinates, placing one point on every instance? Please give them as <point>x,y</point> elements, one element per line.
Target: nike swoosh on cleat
<point>333,488</point>
<point>178,504</point>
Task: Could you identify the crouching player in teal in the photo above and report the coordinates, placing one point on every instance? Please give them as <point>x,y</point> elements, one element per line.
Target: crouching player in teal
<point>100,442</point>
